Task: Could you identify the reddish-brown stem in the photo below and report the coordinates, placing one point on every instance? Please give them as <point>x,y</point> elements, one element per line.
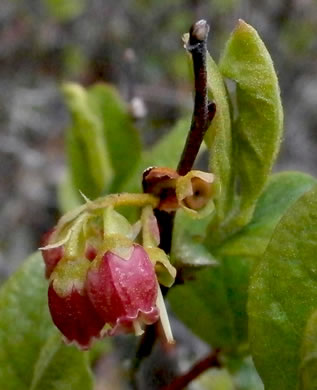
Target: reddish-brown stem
<point>182,381</point>
<point>203,110</point>
<point>203,114</point>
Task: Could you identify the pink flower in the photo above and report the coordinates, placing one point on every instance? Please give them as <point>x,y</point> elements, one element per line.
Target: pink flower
<point>123,288</point>
<point>70,308</point>
<point>75,317</point>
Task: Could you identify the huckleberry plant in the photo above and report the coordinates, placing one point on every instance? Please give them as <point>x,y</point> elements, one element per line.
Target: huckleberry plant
<point>233,249</point>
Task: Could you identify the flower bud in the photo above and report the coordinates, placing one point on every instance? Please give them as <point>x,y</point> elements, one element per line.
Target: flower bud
<point>122,287</point>
<point>50,256</point>
<point>70,308</point>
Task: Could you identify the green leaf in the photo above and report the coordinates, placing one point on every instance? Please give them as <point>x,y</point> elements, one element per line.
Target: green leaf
<point>282,190</point>
<point>258,129</point>
<point>215,295</point>
<point>308,366</point>
<point>283,295</point>
<point>203,298</point>
<point>122,138</point>
<point>90,168</point>
<point>236,276</point>
<point>236,258</point>
<point>185,224</point>
<point>165,153</point>
<point>219,140</point>
<point>31,355</point>
<point>240,253</point>
<point>202,304</point>
<point>60,367</point>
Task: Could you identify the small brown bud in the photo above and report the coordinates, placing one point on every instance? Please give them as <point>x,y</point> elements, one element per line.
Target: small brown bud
<point>162,183</point>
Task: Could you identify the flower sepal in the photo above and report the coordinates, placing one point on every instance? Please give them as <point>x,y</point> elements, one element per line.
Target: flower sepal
<point>164,270</point>
<point>195,192</point>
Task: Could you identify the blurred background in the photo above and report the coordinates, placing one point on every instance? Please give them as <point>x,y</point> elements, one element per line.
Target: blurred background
<point>135,45</point>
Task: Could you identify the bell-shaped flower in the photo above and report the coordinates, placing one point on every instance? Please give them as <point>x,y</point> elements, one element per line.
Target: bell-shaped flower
<point>122,286</point>
<point>70,308</point>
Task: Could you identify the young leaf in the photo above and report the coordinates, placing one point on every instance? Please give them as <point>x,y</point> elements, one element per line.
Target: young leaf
<point>283,295</point>
<point>122,138</point>
<point>257,131</point>
<point>219,140</point>
<point>30,354</point>
<point>90,167</point>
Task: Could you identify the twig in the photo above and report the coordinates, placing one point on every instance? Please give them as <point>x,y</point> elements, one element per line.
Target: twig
<point>203,113</point>
<point>182,381</point>
<point>203,110</point>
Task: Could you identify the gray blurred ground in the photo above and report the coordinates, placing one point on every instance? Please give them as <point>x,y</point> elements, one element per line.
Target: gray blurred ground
<point>45,42</point>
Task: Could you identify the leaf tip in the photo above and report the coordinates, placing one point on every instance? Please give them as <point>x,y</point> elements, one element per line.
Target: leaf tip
<point>242,26</point>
